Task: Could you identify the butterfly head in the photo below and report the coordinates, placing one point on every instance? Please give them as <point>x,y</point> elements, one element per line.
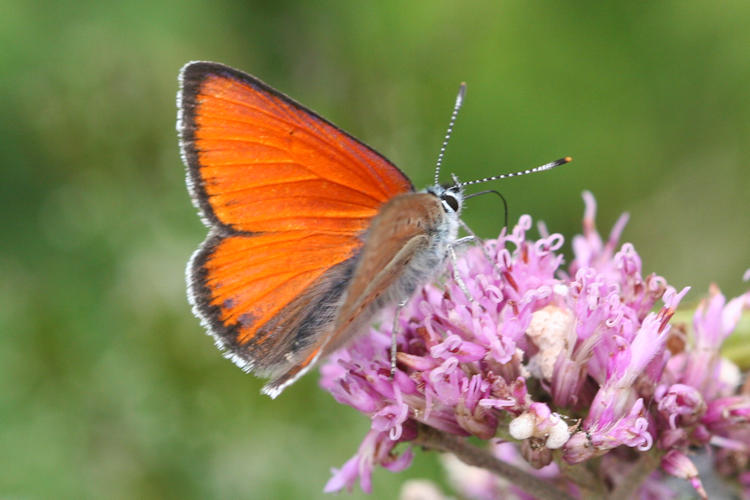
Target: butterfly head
<point>451,197</point>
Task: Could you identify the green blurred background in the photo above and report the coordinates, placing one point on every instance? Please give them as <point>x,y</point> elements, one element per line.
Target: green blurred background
<point>108,386</point>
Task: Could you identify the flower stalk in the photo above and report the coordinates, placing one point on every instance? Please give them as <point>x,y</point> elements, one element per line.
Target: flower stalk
<point>434,439</point>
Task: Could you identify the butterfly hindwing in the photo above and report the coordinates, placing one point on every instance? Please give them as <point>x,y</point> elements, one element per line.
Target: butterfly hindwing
<point>261,294</point>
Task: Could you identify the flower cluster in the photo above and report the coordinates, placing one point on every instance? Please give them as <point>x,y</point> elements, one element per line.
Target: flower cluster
<point>569,364</point>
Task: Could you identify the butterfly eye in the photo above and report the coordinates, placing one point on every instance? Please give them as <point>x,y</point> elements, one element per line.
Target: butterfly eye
<point>450,201</point>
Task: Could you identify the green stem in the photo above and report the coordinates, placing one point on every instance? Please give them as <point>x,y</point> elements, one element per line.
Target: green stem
<point>591,485</point>
<point>643,468</point>
<point>434,439</point>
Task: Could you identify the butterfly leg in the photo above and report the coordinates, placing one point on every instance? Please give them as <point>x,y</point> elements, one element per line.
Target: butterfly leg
<point>463,240</point>
<point>394,332</point>
<point>456,277</point>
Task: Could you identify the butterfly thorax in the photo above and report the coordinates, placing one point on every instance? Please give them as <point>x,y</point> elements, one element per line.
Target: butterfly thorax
<point>405,247</point>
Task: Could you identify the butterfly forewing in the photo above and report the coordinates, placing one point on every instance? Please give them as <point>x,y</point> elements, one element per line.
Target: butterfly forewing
<point>258,161</point>
<point>287,196</point>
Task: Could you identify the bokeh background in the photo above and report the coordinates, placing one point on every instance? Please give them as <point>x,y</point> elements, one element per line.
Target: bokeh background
<point>108,386</point>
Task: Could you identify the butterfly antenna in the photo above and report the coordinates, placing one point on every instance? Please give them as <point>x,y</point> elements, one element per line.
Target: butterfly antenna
<point>492,191</point>
<point>454,114</point>
<point>540,168</point>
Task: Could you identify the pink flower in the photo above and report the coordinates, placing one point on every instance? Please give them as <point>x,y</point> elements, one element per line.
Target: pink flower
<point>679,465</point>
<point>548,358</point>
<point>376,449</point>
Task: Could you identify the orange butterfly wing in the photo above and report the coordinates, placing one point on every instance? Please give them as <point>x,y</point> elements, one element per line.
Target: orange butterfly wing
<point>287,196</point>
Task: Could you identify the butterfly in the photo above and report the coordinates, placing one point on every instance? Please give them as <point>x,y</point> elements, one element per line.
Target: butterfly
<point>311,232</point>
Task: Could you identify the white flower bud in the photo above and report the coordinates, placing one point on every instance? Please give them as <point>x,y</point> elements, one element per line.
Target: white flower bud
<point>558,435</point>
<point>522,427</point>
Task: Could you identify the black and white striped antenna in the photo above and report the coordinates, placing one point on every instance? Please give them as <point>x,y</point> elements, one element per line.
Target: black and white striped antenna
<point>452,122</point>
<point>454,114</point>
<point>540,168</point>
